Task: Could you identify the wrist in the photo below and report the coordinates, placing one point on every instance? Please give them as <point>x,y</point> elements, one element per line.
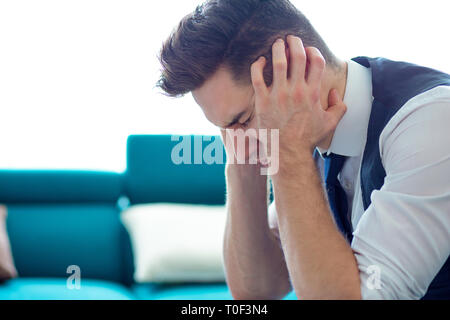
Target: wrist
<point>247,177</point>
<point>243,171</point>
<point>294,163</point>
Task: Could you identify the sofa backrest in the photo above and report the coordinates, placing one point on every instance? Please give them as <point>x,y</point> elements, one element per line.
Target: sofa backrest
<point>154,173</point>
<point>62,218</point>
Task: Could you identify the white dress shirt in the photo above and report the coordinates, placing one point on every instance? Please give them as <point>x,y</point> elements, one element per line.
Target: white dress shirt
<point>403,238</point>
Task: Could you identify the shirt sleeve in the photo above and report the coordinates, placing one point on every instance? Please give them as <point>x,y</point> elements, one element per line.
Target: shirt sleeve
<point>403,238</point>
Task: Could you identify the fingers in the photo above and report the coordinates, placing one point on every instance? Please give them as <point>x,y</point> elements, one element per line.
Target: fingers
<point>297,59</point>
<point>336,108</point>
<point>279,62</point>
<point>316,66</point>
<point>257,76</point>
<point>333,98</point>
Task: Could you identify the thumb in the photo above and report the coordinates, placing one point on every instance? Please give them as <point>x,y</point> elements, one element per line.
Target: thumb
<point>336,107</point>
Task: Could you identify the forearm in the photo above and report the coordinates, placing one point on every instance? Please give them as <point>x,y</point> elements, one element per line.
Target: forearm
<point>320,262</point>
<point>254,261</point>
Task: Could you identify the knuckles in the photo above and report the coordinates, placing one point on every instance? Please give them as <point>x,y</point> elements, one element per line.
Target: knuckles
<point>264,102</point>
<point>316,59</point>
<point>298,93</point>
<point>258,83</point>
<point>280,65</point>
<point>315,95</point>
<point>282,96</point>
<point>299,55</point>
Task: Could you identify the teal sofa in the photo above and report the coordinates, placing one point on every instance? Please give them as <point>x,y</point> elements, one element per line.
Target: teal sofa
<point>61,218</point>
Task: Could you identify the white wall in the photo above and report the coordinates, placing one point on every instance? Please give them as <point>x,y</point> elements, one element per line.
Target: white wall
<point>77,77</point>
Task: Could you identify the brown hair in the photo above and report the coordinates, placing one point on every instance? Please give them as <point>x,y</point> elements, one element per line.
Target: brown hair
<point>232,33</point>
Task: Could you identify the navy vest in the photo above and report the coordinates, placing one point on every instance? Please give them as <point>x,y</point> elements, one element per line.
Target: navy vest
<point>394,83</point>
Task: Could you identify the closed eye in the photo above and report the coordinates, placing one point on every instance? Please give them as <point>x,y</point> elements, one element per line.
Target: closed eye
<point>247,122</point>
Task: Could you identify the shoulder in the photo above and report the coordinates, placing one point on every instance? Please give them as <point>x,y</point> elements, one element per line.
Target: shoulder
<point>420,129</point>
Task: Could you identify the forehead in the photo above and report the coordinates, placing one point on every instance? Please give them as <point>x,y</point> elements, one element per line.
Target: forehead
<point>221,98</point>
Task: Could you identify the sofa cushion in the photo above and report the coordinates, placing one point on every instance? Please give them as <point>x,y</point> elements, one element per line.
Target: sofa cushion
<point>46,239</point>
<point>187,291</point>
<point>176,242</point>
<point>53,186</point>
<point>192,291</point>
<point>57,289</point>
<point>152,176</point>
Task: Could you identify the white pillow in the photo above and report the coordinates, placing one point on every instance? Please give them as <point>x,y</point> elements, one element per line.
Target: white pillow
<point>176,242</point>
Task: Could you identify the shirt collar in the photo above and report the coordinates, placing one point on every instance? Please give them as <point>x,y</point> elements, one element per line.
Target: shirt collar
<point>350,135</point>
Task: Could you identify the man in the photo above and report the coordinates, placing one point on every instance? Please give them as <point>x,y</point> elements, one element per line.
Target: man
<point>362,194</point>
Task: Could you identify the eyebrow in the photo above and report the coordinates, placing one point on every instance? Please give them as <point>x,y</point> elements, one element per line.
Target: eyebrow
<point>235,119</point>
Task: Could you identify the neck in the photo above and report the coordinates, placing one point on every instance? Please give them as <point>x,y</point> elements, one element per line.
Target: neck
<point>334,78</point>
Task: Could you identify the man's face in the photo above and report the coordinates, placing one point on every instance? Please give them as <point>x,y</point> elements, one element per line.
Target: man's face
<point>229,105</point>
<point>225,103</point>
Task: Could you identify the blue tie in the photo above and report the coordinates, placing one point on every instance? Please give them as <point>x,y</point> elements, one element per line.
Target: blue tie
<point>336,194</point>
